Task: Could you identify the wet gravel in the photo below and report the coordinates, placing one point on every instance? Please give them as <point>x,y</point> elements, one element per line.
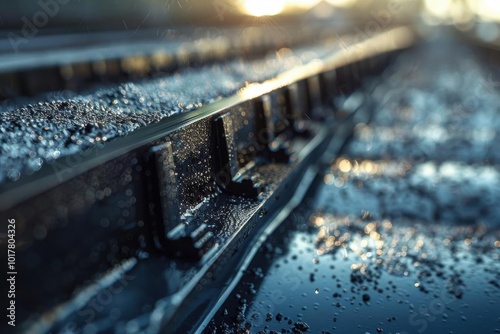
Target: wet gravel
<point>401,235</point>
<point>65,123</point>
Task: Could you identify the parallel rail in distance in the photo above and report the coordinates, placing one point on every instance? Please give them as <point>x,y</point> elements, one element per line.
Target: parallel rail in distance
<point>77,62</point>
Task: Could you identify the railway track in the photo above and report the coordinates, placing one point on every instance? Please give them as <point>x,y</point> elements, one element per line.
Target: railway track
<point>163,215</point>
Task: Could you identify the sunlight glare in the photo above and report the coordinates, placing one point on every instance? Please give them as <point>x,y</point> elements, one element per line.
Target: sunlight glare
<point>263,7</point>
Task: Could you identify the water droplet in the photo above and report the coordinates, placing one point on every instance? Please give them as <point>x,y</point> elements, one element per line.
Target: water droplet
<point>14,174</point>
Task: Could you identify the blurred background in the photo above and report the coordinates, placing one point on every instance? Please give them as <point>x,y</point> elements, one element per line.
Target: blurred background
<point>29,19</point>
<point>85,15</point>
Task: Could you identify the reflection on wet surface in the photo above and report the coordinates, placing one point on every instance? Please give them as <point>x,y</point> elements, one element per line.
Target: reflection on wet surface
<point>401,234</point>
<point>349,275</point>
<point>451,192</point>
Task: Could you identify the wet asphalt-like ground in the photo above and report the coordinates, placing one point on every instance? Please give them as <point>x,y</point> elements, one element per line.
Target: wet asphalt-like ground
<point>401,233</point>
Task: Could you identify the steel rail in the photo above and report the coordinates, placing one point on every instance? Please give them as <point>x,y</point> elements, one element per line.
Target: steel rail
<point>197,198</point>
<point>18,191</point>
